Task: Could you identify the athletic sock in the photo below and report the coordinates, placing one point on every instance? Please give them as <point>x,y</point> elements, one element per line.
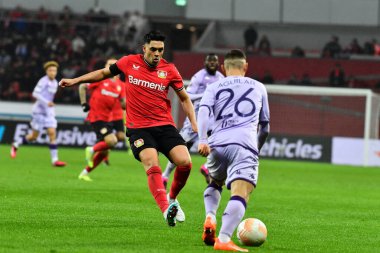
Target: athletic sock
<point>157,188</point>
<point>100,146</point>
<point>17,143</point>
<point>212,196</point>
<point>53,152</point>
<point>232,216</point>
<point>169,168</point>
<point>181,175</point>
<point>98,158</point>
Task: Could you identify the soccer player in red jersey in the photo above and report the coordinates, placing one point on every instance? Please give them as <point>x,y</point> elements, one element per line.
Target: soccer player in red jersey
<point>106,95</point>
<point>149,123</point>
<point>118,119</point>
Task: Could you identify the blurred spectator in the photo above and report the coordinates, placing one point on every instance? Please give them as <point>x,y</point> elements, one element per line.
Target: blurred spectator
<point>354,47</point>
<point>305,80</point>
<point>17,17</point>
<point>78,44</point>
<point>5,58</point>
<point>337,76</point>
<point>14,93</point>
<point>66,14</point>
<point>250,38</point>
<point>42,14</point>
<point>17,13</point>
<point>369,48</point>
<point>298,52</point>
<point>264,46</point>
<point>351,83</point>
<point>21,49</point>
<point>267,78</point>
<point>376,47</point>
<point>332,49</point>
<point>293,80</point>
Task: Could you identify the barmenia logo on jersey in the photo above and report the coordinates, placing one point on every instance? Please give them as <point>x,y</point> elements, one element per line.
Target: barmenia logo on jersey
<point>147,84</point>
<point>109,93</point>
<point>162,74</point>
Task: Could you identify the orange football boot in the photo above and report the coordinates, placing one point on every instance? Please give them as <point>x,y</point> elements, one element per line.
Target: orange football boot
<point>209,230</point>
<point>228,246</point>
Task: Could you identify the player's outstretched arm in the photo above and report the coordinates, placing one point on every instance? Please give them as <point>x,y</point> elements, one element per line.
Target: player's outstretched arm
<point>94,76</point>
<point>83,97</point>
<point>188,107</point>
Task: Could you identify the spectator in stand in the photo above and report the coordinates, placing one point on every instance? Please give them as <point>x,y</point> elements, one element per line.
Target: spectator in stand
<point>17,18</point>
<point>264,46</point>
<point>267,78</point>
<point>376,47</point>
<point>298,52</point>
<point>78,44</point>
<point>5,58</point>
<point>66,14</point>
<point>306,81</point>
<point>42,14</point>
<point>337,76</point>
<point>293,80</point>
<point>369,48</point>
<point>354,47</point>
<point>351,83</point>
<point>332,49</point>
<point>250,38</point>
<point>14,93</point>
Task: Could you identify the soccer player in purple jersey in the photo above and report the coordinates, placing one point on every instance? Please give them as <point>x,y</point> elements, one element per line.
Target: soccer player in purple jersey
<point>43,113</point>
<point>195,90</point>
<point>240,107</point>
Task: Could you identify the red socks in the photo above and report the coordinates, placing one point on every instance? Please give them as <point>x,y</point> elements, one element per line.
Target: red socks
<point>180,177</point>
<point>157,188</point>
<point>100,146</point>
<point>98,158</point>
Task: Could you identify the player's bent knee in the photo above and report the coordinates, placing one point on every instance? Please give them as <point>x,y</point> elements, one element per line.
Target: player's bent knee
<point>120,136</point>
<point>111,140</point>
<point>184,163</point>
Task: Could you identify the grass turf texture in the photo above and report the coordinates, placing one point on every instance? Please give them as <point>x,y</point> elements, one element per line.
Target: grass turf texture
<point>307,207</point>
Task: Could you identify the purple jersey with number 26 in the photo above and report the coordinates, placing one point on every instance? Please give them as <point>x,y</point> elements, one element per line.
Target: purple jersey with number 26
<point>238,104</point>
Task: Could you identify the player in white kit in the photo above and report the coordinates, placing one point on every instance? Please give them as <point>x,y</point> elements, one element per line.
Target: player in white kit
<point>43,113</point>
<point>241,126</point>
<point>195,90</point>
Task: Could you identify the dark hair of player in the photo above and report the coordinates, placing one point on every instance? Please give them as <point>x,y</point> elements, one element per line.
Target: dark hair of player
<point>235,54</point>
<point>154,35</point>
<point>211,55</point>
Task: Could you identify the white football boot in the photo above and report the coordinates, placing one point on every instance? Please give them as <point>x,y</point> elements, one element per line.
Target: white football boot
<point>180,217</point>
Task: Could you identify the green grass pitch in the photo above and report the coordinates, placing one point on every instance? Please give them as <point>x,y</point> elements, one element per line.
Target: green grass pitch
<point>307,207</point>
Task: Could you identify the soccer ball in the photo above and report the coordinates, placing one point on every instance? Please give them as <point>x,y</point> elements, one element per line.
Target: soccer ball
<point>252,232</point>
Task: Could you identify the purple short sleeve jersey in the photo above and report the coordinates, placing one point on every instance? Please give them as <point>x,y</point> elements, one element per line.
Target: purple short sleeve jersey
<point>198,85</point>
<point>238,104</point>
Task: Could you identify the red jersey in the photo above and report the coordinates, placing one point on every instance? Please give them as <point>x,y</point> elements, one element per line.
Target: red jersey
<point>104,95</point>
<point>147,88</point>
<point>117,111</point>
